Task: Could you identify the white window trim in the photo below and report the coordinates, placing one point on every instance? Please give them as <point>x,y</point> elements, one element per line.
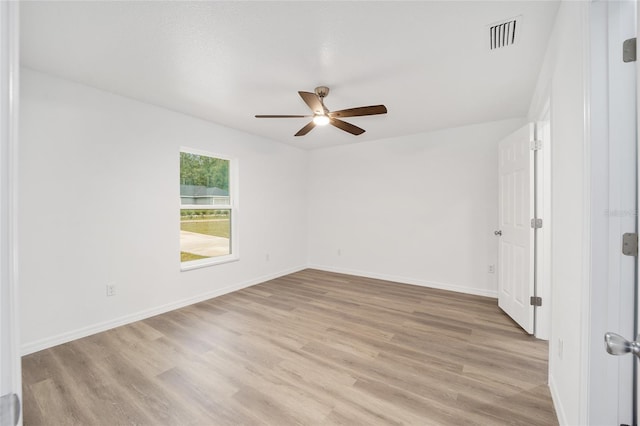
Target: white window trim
<point>234,241</point>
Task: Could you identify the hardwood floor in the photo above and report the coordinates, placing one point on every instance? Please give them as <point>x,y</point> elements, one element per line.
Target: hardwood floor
<point>309,348</point>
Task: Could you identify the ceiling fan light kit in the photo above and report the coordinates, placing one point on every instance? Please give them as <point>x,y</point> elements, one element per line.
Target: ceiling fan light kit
<point>321,120</point>
<point>322,116</point>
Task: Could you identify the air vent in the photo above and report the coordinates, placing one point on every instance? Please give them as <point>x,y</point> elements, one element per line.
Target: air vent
<point>503,34</point>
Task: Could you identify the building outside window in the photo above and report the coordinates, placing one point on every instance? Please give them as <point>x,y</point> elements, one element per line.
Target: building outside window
<point>207,209</point>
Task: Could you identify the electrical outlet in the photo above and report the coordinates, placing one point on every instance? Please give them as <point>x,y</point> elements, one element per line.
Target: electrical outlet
<point>266,257</point>
<point>492,269</point>
<point>339,252</point>
<point>111,289</point>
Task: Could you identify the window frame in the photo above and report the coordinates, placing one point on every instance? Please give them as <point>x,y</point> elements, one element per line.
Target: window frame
<point>234,245</point>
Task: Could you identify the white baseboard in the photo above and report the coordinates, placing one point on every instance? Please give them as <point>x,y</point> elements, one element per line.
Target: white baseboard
<point>59,339</point>
<point>562,418</point>
<point>407,280</point>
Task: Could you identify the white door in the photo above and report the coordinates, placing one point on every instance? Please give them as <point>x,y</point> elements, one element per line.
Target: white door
<point>10,383</point>
<point>613,391</point>
<point>515,247</point>
<point>636,376</point>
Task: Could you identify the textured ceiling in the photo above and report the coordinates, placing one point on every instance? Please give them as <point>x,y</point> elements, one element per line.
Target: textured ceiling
<point>428,62</point>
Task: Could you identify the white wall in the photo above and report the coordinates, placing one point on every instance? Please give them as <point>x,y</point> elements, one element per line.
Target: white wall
<point>418,209</point>
<point>562,80</point>
<point>99,204</point>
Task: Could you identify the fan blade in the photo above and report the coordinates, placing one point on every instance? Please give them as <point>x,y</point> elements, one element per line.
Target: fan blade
<point>282,116</point>
<point>360,111</point>
<point>347,127</point>
<point>306,129</point>
<point>313,101</point>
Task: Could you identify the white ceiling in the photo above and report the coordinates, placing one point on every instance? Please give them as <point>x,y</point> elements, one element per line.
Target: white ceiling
<point>428,62</point>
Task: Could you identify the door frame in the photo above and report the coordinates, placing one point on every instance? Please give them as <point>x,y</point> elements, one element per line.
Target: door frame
<point>9,97</point>
<point>542,175</point>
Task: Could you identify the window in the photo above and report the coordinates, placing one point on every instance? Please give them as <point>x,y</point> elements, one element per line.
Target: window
<point>207,213</point>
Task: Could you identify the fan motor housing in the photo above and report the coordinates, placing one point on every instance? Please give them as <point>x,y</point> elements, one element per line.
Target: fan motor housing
<point>322,91</point>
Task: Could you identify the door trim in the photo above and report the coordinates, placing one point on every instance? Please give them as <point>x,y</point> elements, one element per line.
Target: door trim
<point>542,235</point>
<point>586,301</point>
<point>9,96</point>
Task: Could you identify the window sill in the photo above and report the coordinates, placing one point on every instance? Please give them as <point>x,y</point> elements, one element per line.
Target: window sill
<point>197,264</point>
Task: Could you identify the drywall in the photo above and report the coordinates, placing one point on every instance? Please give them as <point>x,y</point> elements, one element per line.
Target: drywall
<point>98,204</point>
<point>98,185</point>
<point>562,81</point>
<point>418,209</point>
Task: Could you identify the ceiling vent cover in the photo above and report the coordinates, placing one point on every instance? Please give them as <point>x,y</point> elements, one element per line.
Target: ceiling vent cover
<point>503,34</point>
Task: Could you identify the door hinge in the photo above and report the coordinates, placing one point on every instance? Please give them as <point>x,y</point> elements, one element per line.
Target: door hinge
<point>629,50</point>
<point>536,223</point>
<point>536,145</point>
<point>535,301</point>
<point>630,244</point>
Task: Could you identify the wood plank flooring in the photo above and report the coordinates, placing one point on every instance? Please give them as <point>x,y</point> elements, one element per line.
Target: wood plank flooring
<point>311,348</point>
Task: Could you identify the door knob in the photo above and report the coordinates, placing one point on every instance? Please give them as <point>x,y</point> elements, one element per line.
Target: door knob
<point>498,233</point>
<point>9,409</point>
<point>618,345</point>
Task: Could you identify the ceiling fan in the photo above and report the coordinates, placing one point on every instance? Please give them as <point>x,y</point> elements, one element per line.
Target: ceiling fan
<point>322,116</point>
